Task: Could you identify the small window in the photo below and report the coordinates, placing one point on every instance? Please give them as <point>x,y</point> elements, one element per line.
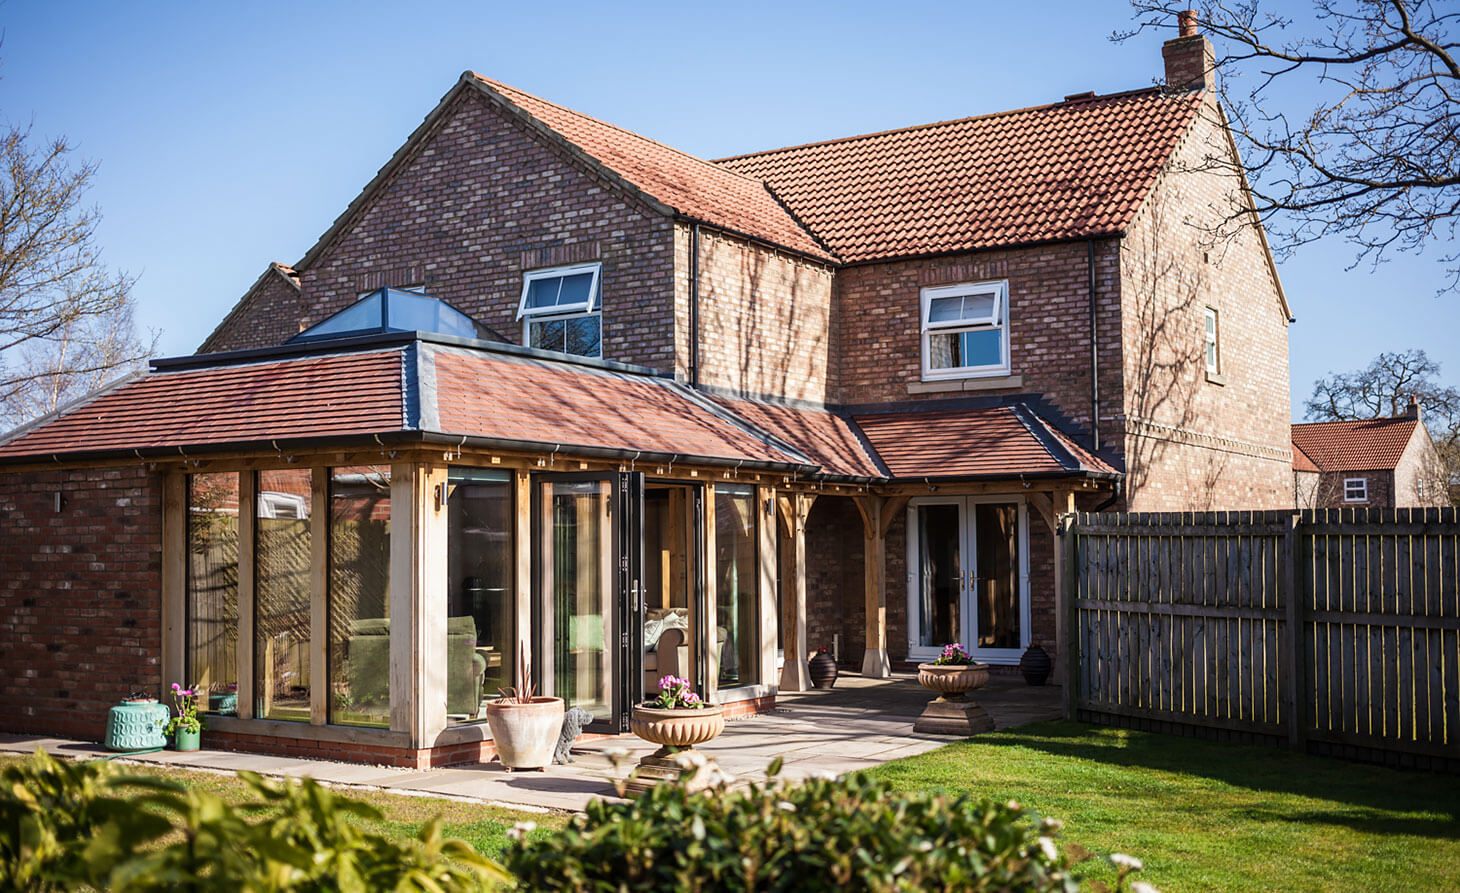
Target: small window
<point>560,310</point>
<point>1355,490</point>
<point>1213,353</point>
<point>965,330</point>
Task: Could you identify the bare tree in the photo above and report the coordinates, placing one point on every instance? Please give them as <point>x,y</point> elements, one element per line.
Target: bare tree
<point>1383,388</point>
<point>1347,118</point>
<point>65,319</point>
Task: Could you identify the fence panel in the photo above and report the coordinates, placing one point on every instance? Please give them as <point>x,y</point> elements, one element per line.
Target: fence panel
<point>1336,627</point>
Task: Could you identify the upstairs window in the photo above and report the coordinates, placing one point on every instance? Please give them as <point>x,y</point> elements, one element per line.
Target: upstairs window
<point>1355,490</point>
<point>1213,355</point>
<point>560,310</point>
<point>966,330</point>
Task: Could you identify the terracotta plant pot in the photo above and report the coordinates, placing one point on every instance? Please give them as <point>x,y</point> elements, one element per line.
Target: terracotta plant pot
<point>822,669</point>
<point>677,729</point>
<point>952,680</point>
<point>525,734</point>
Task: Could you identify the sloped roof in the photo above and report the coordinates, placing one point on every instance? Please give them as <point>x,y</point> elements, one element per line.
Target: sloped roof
<point>1302,462</point>
<point>998,441</point>
<point>691,186</point>
<point>828,439</point>
<point>1074,169</point>
<point>1367,445</point>
<point>349,394</point>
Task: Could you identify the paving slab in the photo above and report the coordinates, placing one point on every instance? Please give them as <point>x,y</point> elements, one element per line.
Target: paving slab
<point>857,724</point>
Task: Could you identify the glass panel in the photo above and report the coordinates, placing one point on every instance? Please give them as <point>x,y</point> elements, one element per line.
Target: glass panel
<point>945,309</point>
<point>669,646</point>
<point>212,597</point>
<point>583,336</point>
<point>983,347</point>
<point>580,601</point>
<point>363,314</point>
<point>939,589</point>
<point>978,308</point>
<point>424,313</point>
<point>359,596</point>
<point>546,334</point>
<point>575,291</point>
<point>996,584</point>
<point>736,586</point>
<point>543,292</point>
<point>281,596</point>
<point>481,618</point>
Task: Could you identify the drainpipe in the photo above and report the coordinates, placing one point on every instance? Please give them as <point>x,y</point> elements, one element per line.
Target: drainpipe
<point>1094,348</point>
<point>694,306</point>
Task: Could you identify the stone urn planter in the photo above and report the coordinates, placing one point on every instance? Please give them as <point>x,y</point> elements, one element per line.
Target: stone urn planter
<point>1035,665</point>
<point>822,669</point>
<point>525,731</point>
<point>953,681</point>
<point>953,712</point>
<point>676,731</point>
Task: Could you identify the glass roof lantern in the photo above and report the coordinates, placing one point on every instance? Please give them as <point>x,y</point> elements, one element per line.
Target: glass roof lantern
<point>394,310</point>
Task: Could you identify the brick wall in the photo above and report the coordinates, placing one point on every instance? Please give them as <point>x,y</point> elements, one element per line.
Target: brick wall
<point>836,595</point>
<point>1419,476</point>
<point>1195,442</point>
<point>880,327</point>
<point>765,317</point>
<point>479,202</point>
<point>269,314</point>
<point>1330,489</point>
<point>80,604</point>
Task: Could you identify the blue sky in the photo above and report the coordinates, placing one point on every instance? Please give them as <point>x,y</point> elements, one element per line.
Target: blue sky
<point>230,135</point>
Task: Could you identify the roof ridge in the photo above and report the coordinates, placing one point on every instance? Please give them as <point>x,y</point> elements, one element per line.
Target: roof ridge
<point>499,86</point>
<point>1124,94</point>
<point>1382,418</point>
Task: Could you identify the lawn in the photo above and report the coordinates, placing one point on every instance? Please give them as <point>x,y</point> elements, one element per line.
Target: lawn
<point>1209,816</point>
<point>482,825</point>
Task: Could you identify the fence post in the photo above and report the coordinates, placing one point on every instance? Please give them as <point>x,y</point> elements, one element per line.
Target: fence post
<point>1295,713</point>
<point>1065,534</point>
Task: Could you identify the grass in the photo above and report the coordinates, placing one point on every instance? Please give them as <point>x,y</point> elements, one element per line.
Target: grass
<point>482,825</point>
<point>1213,816</point>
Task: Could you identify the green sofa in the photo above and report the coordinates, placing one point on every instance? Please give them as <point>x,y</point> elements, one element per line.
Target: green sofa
<point>367,665</point>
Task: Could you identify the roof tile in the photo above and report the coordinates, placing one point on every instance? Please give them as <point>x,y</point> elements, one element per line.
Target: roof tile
<point>1063,171</point>
<point>1364,445</point>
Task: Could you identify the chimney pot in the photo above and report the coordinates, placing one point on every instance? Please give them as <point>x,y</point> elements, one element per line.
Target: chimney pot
<point>1186,21</point>
<point>1412,410</point>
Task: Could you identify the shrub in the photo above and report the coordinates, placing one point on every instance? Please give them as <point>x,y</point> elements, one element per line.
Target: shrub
<point>64,826</point>
<point>851,833</point>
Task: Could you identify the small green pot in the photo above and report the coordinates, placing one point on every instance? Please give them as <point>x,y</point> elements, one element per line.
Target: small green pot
<point>183,739</point>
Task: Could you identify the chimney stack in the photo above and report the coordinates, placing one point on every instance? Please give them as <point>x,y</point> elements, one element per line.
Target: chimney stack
<point>1412,411</point>
<point>1190,60</point>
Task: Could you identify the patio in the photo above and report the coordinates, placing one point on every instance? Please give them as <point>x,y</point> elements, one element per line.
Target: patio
<point>860,723</point>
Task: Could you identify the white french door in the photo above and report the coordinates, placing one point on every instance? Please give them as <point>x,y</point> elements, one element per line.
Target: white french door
<point>968,576</point>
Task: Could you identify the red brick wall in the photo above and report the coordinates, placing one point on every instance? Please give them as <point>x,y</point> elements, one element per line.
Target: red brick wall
<point>836,599</point>
<point>1193,443</point>
<point>1380,490</point>
<point>80,603</point>
<point>764,318</point>
<point>480,202</point>
<point>269,314</point>
<point>880,340</point>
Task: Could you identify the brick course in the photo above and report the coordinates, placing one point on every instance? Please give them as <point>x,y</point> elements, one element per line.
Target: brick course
<point>80,603</point>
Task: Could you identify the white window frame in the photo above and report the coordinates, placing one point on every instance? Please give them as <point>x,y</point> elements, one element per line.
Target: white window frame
<point>1211,333</point>
<point>1363,489</point>
<point>580,308</point>
<point>998,321</point>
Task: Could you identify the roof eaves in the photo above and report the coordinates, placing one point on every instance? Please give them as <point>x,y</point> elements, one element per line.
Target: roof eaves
<point>1051,444</point>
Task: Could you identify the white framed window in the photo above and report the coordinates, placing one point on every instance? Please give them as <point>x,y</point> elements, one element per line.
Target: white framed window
<point>1355,490</point>
<point>560,310</point>
<point>1213,345</point>
<point>965,330</point>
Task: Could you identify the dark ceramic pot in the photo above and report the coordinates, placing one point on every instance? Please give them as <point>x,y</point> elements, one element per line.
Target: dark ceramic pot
<point>1035,665</point>
<point>823,670</point>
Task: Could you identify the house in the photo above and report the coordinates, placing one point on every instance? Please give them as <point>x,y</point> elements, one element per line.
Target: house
<point>548,388</point>
<point>1370,463</point>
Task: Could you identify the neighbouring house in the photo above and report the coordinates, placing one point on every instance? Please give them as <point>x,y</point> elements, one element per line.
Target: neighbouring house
<point>1371,463</point>
<point>549,388</point>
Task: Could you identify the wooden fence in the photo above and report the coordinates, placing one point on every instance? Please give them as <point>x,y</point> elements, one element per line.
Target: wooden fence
<point>1335,631</point>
